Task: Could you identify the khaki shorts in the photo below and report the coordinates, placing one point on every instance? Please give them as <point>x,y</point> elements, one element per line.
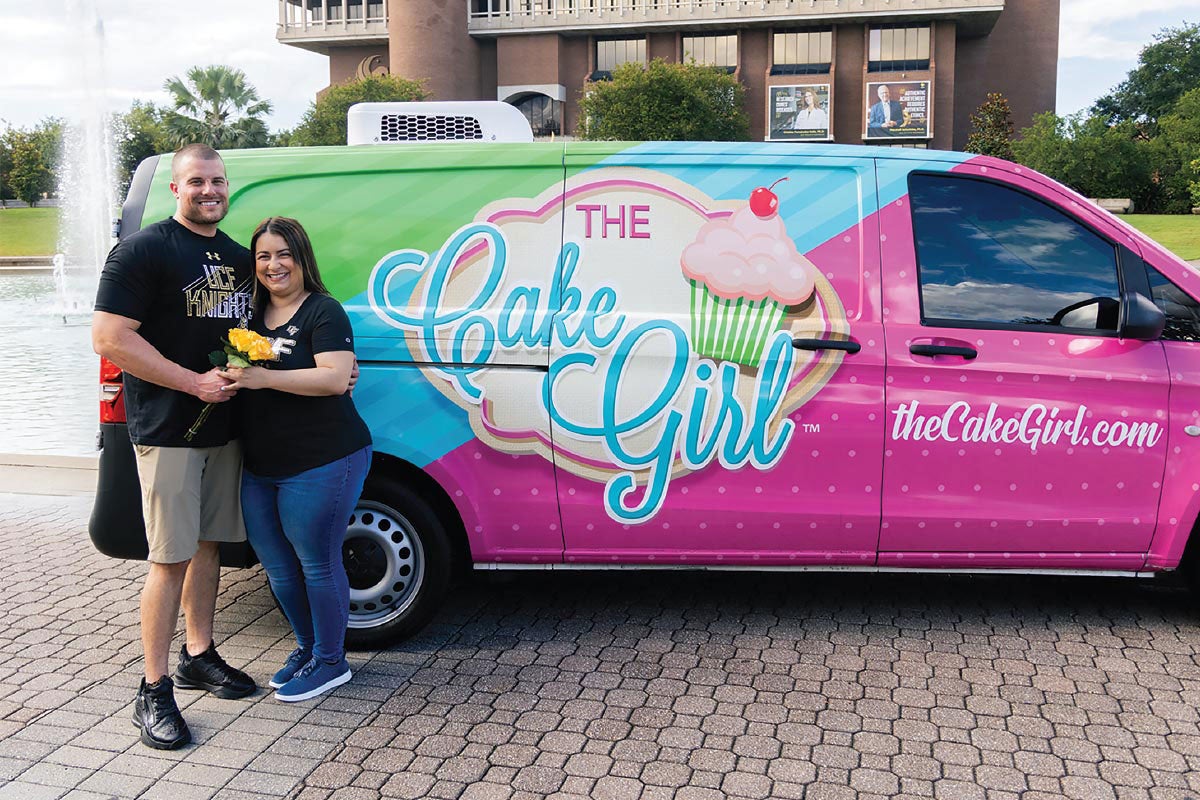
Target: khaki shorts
<point>190,495</point>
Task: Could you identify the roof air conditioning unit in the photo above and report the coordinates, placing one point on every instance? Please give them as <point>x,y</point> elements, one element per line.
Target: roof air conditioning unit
<point>475,121</point>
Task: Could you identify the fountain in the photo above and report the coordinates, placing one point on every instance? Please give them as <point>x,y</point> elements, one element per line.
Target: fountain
<point>51,408</point>
<point>86,178</point>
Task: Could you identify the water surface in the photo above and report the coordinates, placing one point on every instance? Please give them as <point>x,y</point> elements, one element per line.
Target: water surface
<point>49,376</point>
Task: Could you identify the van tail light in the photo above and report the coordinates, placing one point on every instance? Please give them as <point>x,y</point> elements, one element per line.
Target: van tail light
<point>112,393</point>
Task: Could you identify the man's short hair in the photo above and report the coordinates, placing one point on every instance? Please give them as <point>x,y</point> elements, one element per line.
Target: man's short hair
<point>195,150</point>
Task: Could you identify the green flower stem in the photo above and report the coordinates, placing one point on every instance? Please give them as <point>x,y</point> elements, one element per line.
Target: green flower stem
<point>192,431</point>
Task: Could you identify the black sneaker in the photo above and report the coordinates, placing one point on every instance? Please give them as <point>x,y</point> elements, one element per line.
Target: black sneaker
<point>157,716</point>
<point>209,671</point>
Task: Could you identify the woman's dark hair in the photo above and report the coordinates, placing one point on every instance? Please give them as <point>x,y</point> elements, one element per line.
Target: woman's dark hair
<point>292,233</point>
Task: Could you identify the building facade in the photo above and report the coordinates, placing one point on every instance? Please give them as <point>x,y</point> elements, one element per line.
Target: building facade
<point>879,71</point>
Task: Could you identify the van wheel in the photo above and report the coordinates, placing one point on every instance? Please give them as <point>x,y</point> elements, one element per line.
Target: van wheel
<point>397,557</point>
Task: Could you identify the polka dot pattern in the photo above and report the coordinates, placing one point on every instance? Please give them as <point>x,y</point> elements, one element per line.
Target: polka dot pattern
<point>988,499</point>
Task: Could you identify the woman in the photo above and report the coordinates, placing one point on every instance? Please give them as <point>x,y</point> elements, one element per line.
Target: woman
<point>306,452</point>
<point>812,116</point>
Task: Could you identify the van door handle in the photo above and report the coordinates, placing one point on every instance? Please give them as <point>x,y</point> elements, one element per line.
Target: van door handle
<point>826,344</point>
<point>943,350</point>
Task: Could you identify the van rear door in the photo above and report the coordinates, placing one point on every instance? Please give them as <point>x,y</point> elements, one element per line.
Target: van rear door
<point>1022,429</point>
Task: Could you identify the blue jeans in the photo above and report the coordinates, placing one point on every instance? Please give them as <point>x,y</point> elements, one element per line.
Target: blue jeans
<point>296,526</point>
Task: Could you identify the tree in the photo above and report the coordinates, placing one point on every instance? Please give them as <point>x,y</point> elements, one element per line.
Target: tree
<point>139,133</point>
<point>993,128</point>
<point>1177,148</point>
<point>216,106</point>
<point>6,193</point>
<point>1091,156</point>
<point>665,102</point>
<point>1166,70</point>
<point>31,176</point>
<point>1194,186</point>
<point>324,123</point>
<point>30,164</point>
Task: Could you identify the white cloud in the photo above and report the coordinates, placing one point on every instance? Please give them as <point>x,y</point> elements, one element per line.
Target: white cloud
<point>1099,42</point>
<point>146,42</point>
<point>1105,29</point>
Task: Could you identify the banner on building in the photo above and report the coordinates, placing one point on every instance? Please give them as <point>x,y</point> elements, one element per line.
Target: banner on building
<point>899,110</point>
<point>799,113</point>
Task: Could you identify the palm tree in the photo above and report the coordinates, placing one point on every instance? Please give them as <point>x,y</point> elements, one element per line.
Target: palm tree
<point>217,107</point>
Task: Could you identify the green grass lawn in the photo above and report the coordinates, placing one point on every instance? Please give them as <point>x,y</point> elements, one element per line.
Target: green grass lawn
<point>1179,233</point>
<point>34,231</point>
<point>28,231</point>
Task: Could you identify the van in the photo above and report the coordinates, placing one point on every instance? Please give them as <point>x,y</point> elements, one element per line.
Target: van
<point>599,355</point>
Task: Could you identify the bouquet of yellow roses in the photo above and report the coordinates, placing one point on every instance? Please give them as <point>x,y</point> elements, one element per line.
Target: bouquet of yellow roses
<point>240,348</point>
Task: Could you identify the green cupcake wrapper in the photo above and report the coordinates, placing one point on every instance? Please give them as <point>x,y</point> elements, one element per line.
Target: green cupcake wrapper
<point>732,330</point>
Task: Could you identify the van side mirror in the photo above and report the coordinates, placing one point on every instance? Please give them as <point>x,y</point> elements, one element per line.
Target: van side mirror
<point>1140,318</point>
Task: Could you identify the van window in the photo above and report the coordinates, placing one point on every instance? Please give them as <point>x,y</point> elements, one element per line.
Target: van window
<point>994,256</point>
<point>1183,313</point>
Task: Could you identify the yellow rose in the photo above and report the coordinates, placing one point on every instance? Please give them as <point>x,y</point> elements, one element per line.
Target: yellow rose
<point>239,338</point>
<point>261,351</point>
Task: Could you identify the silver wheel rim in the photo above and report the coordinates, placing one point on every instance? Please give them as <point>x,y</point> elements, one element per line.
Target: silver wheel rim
<point>385,563</point>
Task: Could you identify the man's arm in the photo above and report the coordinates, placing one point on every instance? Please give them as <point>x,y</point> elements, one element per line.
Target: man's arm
<point>117,339</point>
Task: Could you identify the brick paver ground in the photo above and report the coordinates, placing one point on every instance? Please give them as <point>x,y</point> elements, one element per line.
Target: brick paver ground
<point>620,685</point>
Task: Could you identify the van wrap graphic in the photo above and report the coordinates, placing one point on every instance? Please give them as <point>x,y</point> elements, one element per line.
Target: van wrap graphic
<point>516,506</point>
<point>729,290</point>
<point>1036,426</point>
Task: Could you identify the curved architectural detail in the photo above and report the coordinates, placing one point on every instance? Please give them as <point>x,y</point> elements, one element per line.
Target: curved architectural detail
<point>372,66</point>
<point>545,114</point>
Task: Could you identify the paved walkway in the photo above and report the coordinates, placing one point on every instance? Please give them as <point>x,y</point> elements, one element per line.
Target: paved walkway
<point>620,685</point>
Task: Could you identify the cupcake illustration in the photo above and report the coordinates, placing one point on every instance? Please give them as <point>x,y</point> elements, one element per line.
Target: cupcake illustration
<point>745,272</point>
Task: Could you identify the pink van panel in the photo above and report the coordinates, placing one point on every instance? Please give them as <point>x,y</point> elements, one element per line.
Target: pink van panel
<point>944,494</point>
<point>507,503</point>
<point>1181,485</point>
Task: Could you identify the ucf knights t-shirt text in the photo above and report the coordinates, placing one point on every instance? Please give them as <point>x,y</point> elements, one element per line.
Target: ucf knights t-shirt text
<point>187,291</point>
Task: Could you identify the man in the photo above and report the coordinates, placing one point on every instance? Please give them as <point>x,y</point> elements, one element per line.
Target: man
<point>167,295</point>
<point>886,114</point>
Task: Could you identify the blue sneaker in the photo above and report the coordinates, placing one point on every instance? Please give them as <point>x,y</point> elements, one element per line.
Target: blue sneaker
<point>295,661</point>
<point>314,678</point>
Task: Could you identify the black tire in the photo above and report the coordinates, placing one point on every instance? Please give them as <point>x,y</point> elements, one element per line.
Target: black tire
<point>397,555</point>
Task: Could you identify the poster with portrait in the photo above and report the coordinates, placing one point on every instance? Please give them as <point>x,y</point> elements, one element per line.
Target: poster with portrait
<point>799,113</point>
<point>899,110</point>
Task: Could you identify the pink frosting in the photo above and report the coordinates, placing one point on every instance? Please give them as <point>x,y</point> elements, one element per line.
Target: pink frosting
<point>744,255</point>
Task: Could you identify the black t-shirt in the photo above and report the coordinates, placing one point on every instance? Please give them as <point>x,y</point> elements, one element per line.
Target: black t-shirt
<point>283,433</point>
<point>187,290</point>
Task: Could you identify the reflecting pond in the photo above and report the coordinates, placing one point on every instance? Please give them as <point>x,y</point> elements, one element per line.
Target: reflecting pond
<point>49,376</point>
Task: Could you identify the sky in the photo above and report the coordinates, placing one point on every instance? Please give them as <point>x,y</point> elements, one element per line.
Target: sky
<point>44,48</point>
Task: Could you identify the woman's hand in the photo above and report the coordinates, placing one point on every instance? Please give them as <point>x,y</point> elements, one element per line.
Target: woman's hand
<point>246,378</point>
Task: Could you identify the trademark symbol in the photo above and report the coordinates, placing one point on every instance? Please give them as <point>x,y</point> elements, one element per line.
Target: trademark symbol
<point>811,427</point>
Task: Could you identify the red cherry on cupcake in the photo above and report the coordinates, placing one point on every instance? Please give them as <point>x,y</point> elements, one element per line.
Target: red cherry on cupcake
<point>763,202</point>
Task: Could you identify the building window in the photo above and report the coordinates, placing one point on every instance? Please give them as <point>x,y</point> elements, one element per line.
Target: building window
<point>544,114</point>
<point>313,12</point>
<point>612,53</point>
<point>898,49</point>
<point>715,51</point>
<point>802,52</point>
